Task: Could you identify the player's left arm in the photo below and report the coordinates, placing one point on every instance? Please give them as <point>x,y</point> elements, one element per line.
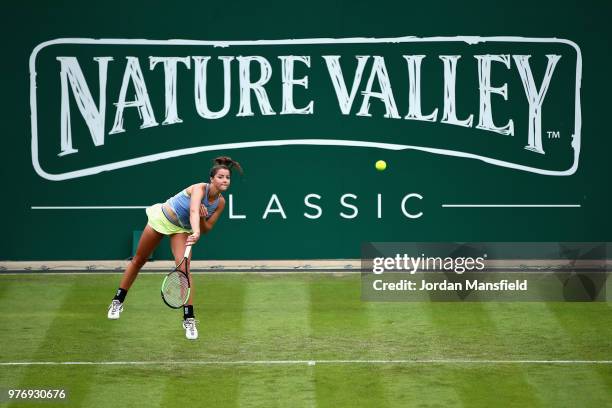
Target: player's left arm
<point>207,224</point>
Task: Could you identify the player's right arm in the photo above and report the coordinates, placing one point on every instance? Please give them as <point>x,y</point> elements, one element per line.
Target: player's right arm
<point>196,192</point>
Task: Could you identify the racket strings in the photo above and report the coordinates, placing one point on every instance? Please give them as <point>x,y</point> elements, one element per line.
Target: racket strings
<point>175,288</point>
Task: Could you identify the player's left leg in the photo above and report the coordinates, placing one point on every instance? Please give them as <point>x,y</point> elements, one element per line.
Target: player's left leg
<point>177,243</point>
<point>149,240</point>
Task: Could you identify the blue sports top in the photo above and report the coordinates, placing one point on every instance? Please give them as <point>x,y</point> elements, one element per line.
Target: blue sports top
<point>180,205</point>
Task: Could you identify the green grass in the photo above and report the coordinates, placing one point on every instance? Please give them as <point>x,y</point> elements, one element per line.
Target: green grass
<point>255,317</point>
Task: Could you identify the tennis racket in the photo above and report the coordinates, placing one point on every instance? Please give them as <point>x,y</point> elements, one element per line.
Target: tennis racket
<point>175,288</point>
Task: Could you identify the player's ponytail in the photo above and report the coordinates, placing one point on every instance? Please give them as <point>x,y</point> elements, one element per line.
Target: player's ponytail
<point>225,162</point>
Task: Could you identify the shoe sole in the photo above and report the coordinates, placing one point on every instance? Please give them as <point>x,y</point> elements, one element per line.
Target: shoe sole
<point>113,317</point>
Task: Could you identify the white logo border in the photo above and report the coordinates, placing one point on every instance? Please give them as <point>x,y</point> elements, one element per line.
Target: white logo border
<point>319,142</point>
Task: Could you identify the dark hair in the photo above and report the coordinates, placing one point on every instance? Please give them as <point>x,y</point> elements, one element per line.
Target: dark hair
<point>225,162</point>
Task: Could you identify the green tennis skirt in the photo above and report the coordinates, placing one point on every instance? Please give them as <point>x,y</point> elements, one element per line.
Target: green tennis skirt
<point>161,224</point>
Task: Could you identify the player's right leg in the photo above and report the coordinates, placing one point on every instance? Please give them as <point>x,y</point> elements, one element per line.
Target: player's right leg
<point>149,240</point>
<point>177,244</point>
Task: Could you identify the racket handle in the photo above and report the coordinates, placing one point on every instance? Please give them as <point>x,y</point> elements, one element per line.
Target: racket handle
<point>187,251</point>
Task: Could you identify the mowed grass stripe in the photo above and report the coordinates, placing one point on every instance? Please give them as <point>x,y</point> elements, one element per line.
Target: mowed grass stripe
<point>551,337</point>
<point>570,385</point>
<point>538,337</point>
<point>276,325</point>
<point>585,324</point>
<point>420,384</point>
<point>456,324</point>
<point>341,329</point>
<point>22,330</point>
<point>5,284</point>
<point>28,306</point>
<point>147,329</point>
<point>218,305</point>
<point>74,333</point>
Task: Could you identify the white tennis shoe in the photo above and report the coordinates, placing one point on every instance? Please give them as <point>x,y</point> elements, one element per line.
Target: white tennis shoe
<point>115,309</point>
<point>191,331</point>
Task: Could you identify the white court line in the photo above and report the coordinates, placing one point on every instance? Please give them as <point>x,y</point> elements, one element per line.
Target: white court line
<point>299,362</point>
<point>511,205</point>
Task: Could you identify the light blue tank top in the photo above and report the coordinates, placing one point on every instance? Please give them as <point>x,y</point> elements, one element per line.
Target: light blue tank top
<point>180,205</point>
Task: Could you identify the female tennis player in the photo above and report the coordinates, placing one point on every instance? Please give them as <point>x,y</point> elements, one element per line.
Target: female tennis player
<point>191,212</point>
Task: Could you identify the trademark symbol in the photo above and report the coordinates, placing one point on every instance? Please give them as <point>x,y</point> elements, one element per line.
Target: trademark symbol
<point>554,134</point>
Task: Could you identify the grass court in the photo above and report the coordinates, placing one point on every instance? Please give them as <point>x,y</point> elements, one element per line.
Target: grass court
<point>296,340</point>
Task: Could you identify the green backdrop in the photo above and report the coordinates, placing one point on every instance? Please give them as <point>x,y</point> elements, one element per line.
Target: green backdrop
<point>294,171</point>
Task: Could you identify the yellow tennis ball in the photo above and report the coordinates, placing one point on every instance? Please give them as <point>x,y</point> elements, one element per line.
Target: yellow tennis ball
<point>381,165</point>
